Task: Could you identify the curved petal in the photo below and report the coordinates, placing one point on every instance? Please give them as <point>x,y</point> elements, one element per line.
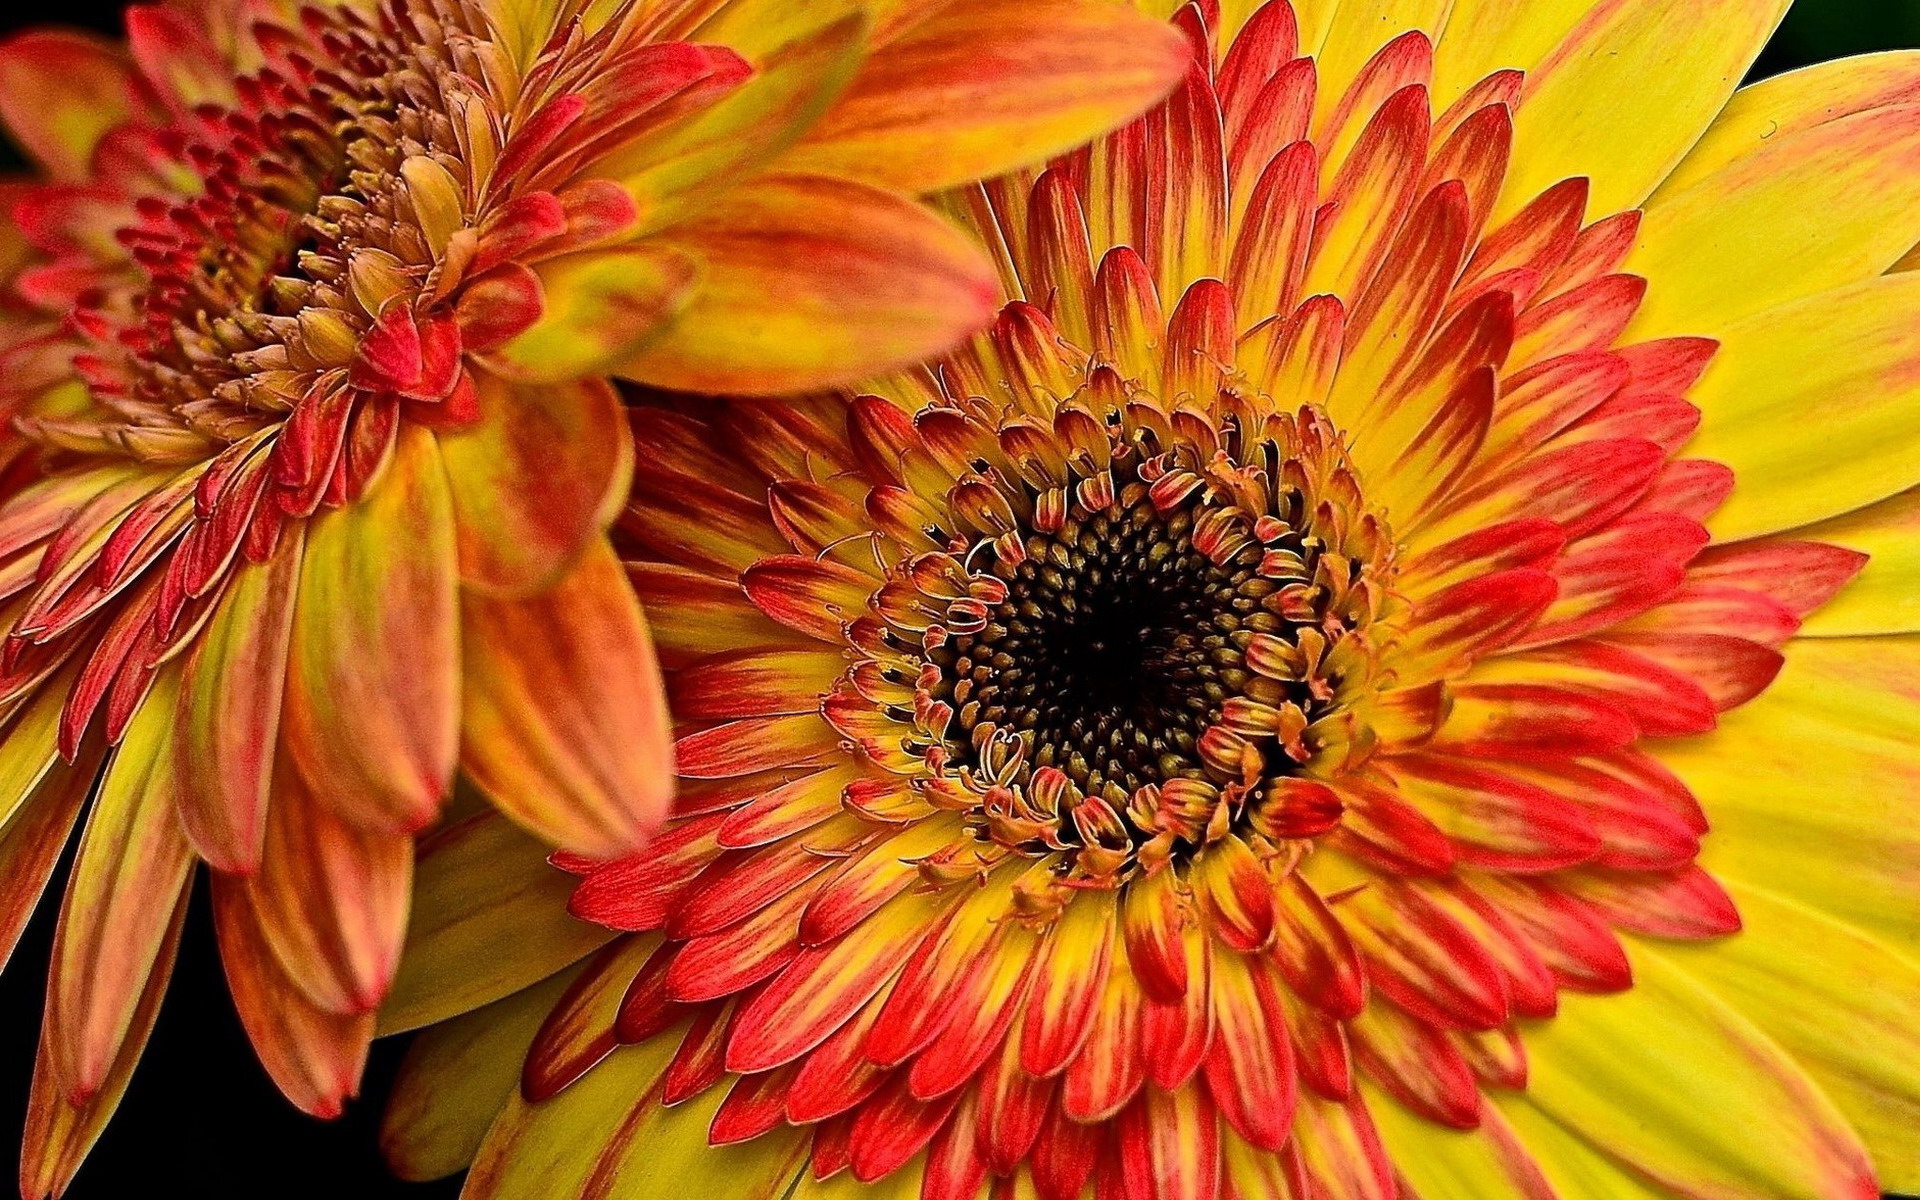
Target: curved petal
<point>600,306</point>
<point>1797,214</point>
<point>1813,406</point>
<point>1815,985</point>
<point>481,884</point>
<point>129,875</point>
<point>1885,596</point>
<point>456,1079</point>
<point>990,85</point>
<point>1814,782</point>
<point>536,481</point>
<point>373,686</point>
<point>1668,1079</point>
<point>565,720</point>
<point>809,281</point>
<point>1626,91</point>
<point>229,713</point>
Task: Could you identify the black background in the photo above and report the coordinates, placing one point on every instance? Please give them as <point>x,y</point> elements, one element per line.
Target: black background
<point>201,1118</point>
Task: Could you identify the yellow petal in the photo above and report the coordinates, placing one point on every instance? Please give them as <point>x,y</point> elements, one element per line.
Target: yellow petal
<point>1674,1082</point>
<point>1813,405</point>
<point>600,305</point>
<point>1621,97</point>
<point>538,1151</point>
<point>808,282</point>
<point>456,1079</point>
<point>1811,786</point>
<point>129,874</point>
<point>1818,986</point>
<point>1797,214</point>
<point>990,85</point>
<point>481,885</point>
<point>1575,1170</point>
<point>373,687</point>
<point>1799,100</point>
<point>1489,1163</point>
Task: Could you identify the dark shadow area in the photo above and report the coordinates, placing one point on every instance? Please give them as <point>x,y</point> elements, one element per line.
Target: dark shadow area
<point>201,1119</point>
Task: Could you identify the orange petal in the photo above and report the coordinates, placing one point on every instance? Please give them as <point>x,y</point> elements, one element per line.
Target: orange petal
<point>984,87</point>
<point>129,875</point>
<point>330,899</point>
<point>809,282</point>
<point>229,712</point>
<point>566,726</point>
<point>372,706</point>
<point>59,1134</point>
<point>536,481</point>
<point>314,1056</point>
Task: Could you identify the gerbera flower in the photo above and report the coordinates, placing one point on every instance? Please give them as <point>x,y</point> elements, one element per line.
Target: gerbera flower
<point>1283,716</point>
<point>310,460</point>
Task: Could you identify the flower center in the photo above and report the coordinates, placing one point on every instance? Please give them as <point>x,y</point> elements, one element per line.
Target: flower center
<point>1115,649</point>
<point>1137,640</point>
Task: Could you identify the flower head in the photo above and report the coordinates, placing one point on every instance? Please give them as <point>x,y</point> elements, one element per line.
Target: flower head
<point>1249,725</point>
<point>311,453</point>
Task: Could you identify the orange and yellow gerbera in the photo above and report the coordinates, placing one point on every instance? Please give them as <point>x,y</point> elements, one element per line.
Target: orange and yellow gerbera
<point>1291,713</point>
<point>311,454</point>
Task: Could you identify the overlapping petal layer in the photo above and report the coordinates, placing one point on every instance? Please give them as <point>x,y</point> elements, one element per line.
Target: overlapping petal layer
<point>310,457</point>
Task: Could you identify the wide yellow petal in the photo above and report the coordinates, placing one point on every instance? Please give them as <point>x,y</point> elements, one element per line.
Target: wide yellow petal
<point>1843,1004</point>
<point>1798,100</point>
<point>1628,89</point>
<point>1811,787</point>
<point>990,85</point>
<point>481,885</point>
<point>1813,405</point>
<point>809,282</point>
<point>1672,1081</point>
<point>1574,1169</point>
<point>456,1079</point>
<point>1488,1163</point>
<point>1797,214</point>
<point>537,1151</point>
<point>600,305</point>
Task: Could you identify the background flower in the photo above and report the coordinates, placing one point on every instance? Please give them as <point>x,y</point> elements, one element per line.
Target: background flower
<point>1250,725</point>
<point>309,461</point>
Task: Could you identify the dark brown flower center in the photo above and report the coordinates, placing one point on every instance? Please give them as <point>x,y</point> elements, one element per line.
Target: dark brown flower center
<point>1114,650</point>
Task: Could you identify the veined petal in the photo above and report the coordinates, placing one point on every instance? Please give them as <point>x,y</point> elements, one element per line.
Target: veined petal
<point>1707,1102</point>
<point>130,874</point>
<point>987,86</point>
<point>1799,213</point>
<point>456,1078</point>
<point>1843,366</point>
<point>1659,70</point>
<point>535,481</point>
<point>600,306</point>
<point>373,687</point>
<point>808,281</point>
<point>229,712</point>
<point>565,724</point>
<point>481,884</point>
